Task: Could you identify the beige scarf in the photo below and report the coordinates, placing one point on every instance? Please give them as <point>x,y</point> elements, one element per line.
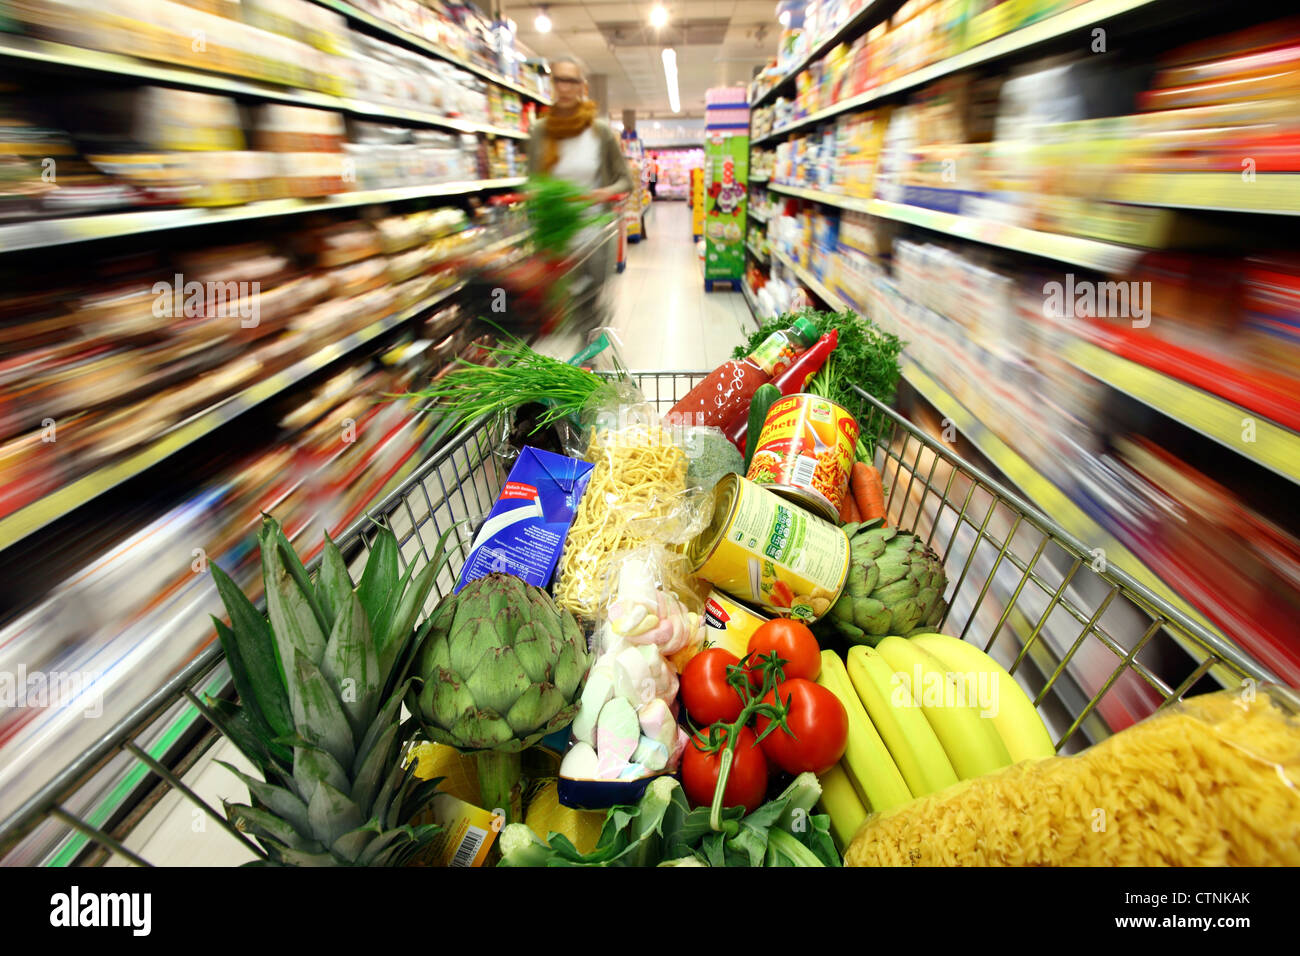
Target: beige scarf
<point>565,124</point>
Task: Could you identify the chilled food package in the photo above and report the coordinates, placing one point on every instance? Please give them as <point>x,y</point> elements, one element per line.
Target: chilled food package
<point>771,553</point>
<point>524,533</point>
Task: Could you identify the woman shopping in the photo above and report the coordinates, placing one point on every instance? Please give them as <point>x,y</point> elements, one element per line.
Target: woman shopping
<point>570,143</point>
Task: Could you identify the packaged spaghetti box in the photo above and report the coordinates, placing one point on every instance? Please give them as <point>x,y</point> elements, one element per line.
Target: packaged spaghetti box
<point>525,531</point>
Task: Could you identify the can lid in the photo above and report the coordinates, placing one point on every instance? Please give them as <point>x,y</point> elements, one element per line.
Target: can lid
<point>806,332</point>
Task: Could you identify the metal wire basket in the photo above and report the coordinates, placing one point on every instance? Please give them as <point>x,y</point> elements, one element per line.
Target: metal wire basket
<point>1093,647</point>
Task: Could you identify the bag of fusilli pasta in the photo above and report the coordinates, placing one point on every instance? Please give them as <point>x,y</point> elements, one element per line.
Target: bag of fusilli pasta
<point>1212,781</point>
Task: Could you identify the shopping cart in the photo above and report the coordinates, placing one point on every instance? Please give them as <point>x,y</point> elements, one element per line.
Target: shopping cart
<point>1094,648</point>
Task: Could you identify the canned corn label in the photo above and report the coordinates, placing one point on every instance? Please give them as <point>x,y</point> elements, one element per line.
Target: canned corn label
<point>730,623</point>
<point>770,553</point>
<point>805,451</point>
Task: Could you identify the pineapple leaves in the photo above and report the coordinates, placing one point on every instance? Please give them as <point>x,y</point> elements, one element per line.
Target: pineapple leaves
<point>380,575</point>
<point>383,720</point>
<point>350,667</point>
<point>332,814</point>
<point>383,621</point>
<point>377,761</point>
<point>255,654</point>
<point>333,583</point>
<point>283,803</point>
<point>294,566</point>
<point>318,715</point>
<point>351,845</point>
<point>311,767</point>
<point>229,718</point>
<point>263,824</point>
<point>294,624</point>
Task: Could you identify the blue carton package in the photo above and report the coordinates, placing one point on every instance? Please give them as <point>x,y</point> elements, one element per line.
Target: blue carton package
<point>525,531</point>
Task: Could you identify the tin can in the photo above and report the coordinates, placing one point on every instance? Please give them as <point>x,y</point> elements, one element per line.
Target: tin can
<point>730,624</point>
<point>805,453</point>
<point>763,550</point>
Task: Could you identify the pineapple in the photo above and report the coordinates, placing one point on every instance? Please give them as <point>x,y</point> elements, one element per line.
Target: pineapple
<point>320,679</point>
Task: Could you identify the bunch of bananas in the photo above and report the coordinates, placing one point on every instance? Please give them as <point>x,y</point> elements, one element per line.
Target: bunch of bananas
<point>924,713</point>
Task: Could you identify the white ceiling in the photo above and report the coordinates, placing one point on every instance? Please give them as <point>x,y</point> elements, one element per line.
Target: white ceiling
<point>723,51</point>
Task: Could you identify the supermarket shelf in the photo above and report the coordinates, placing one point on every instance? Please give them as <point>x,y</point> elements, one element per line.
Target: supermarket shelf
<point>54,232</point>
<point>750,299</point>
<point>1045,494</point>
<point>1088,253</point>
<point>754,251</point>
<point>79,58</point>
<point>1076,18</point>
<point>1219,192</point>
<point>759,179</point>
<point>420,43</point>
<point>833,301</point>
<point>817,51</point>
<point>757,216</point>
<point>1275,447</point>
<point>68,498</point>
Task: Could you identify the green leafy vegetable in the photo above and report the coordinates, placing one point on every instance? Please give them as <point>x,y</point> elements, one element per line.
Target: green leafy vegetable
<point>663,830</point>
<point>558,211</point>
<point>865,356</point>
<point>520,376</point>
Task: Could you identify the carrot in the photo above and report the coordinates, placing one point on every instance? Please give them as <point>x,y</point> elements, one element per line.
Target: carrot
<point>849,509</point>
<point>868,492</point>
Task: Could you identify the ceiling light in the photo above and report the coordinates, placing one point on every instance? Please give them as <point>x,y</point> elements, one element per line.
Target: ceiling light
<point>670,76</point>
<point>659,16</point>
<point>784,18</point>
<point>543,23</point>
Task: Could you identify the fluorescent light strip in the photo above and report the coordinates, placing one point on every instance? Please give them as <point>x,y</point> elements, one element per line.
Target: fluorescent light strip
<point>670,75</point>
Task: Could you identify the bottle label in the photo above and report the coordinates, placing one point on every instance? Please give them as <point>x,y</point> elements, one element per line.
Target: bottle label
<point>775,354</point>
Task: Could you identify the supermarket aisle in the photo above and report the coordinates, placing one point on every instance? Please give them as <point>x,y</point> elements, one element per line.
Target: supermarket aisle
<point>660,310</point>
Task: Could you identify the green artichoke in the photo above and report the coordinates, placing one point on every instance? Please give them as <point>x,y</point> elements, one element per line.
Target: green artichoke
<point>500,668</point>
<point>895,585</point>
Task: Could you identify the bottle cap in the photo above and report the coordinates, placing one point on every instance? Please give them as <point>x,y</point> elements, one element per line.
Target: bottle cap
<point>805,331</point>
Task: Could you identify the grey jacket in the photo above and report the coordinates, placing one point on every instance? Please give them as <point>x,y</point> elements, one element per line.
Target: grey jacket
<point>613,167</point>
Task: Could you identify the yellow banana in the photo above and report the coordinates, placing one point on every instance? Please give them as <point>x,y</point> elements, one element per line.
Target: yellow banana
<point>866,759</point>
<point>1016,720</point>
<point>840,802</point>
<point>916,750</point>
<point>970,741</point>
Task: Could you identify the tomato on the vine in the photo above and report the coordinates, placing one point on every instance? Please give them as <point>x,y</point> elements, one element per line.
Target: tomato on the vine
<point>746,783</point>
<point>709,699</point>
<point>818,721</point>
<point>793,642</point>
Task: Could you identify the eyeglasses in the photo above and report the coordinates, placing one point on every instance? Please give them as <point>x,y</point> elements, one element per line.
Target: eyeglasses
<point>566,81</point>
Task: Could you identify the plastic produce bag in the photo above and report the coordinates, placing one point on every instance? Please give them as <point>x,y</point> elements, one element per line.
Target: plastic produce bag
<point>626,729</point>
<point>638,495</point>
<point>1211,781</point>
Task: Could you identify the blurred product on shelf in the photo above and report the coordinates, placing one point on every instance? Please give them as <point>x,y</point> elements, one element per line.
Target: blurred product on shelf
<point>333,452</point>
<point>675,167</point>
<point>287,43</point>
<point>134,345</point>
<point>155,146</point>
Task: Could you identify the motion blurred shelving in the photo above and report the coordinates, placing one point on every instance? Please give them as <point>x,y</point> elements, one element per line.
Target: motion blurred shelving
<point>1075,250</point>
<point>43,52</point>
<point>40,233</point>
<point>1076,18</point>
<point>411,39</point>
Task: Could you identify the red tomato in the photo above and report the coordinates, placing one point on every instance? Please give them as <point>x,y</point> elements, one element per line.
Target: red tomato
<point>817,719</point>
<point>793,642</point>
<point>746,783</point>
<point>709,699</point>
